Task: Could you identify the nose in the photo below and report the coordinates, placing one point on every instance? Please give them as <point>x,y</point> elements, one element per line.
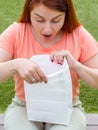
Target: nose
<point>47,28</point>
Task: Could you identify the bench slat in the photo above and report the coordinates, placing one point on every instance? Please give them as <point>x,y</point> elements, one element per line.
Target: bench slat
<point>92,119</point>
<point>92,128</point>
<point>1,128</point>
<point>1,119</point>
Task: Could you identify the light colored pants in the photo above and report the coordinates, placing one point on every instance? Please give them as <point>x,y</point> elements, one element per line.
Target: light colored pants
<point>16,118</point>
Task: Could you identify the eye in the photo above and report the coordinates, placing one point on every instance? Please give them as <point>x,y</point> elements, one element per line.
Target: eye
<point>55,21</point>
<point>40,20</point>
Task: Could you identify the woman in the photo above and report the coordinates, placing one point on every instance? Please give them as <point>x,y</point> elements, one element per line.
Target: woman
<point>46,27</point>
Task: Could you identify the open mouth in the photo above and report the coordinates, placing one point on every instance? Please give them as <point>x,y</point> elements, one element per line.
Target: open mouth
<point>47,36</point>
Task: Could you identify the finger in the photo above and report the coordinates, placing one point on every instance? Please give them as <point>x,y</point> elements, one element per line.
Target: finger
<point>37,77</point>
<point>28,80</point>
<point>52,57</point>
<point>41,74</point>
<point>34,81</point>
<point>60,59</point>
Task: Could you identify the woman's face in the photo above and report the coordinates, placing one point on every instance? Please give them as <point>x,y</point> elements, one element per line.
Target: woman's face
<point>46,23</point>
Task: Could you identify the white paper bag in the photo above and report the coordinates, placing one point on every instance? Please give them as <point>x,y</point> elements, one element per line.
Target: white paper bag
<point>50,102</point>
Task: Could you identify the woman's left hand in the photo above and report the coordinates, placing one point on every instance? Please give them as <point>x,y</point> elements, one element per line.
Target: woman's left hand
<point>58,57</point>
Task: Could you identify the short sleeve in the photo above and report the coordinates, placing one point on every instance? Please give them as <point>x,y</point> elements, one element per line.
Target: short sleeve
<point>8,38</point>
<point>89,46</point>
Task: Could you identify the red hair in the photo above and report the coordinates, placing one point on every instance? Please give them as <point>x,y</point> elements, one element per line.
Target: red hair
<point>71,20</point>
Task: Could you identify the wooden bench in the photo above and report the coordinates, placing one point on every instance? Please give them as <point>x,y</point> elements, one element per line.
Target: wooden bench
<point>92,121</point>
<point>1,121</point>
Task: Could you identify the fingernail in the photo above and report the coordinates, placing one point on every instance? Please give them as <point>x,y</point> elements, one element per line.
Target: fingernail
<point>51,60</point>
<point>60,63</point>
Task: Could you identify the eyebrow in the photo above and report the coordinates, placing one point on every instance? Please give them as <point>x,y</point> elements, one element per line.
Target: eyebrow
<point>53,18</point>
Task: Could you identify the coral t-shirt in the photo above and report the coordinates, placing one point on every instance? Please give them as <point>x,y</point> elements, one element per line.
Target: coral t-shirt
<point>19,41</point>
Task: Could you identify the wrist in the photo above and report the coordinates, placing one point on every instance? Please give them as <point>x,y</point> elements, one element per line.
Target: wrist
<point>77,66</point>
<point>14,64</point>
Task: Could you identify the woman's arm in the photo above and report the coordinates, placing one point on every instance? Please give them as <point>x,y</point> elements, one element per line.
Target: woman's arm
<point>87,71</point>
<point>6,70</point>
<point>88,75</point>
<point>27,69</point>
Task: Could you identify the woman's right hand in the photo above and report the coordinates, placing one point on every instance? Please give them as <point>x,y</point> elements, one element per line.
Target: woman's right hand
<point>29,71</point>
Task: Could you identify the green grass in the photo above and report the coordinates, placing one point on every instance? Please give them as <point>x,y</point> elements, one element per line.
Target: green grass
<point>9,12</point>
<point>89,98</point>
<point>6,94</point>
<point>87,11</point>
